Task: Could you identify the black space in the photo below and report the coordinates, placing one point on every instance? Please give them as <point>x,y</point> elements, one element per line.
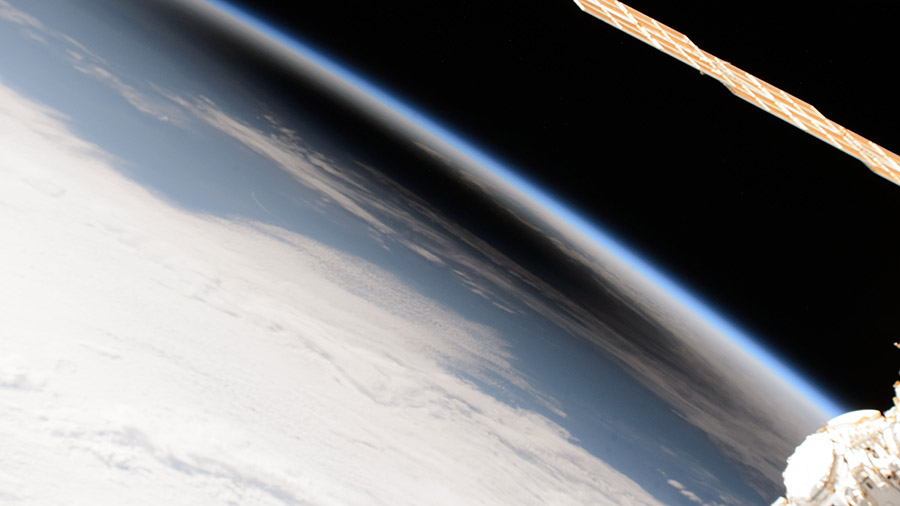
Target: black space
<point>789,237</point>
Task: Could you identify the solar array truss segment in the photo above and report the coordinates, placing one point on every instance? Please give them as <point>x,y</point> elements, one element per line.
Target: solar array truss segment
<point>743,84</point>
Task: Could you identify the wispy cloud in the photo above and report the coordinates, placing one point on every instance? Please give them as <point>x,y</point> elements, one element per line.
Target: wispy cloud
<point>690,495</point>
<point>142,96</point>
<point>279,146</point>
<point>145,102</point>
<point>11,14</point>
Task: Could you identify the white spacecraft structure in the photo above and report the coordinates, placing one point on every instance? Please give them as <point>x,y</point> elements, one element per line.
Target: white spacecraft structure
<point>756,91</point>
<point>853,461</point>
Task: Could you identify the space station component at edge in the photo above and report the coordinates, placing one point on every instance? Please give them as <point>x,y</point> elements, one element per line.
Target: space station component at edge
<point>853,461</point>
<point>756,91</point>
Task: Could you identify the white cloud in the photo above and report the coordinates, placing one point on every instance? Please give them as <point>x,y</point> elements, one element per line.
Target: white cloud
<point>152,105</point>
<point>10,13</point>
<point>720,393</point>
<point>149,101</point>
<point>690,495</point>
<point>725,395</point>
<point>172,358</point>
<point>308,168</point>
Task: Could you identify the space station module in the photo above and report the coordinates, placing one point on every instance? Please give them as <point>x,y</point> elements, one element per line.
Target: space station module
<point>853,461</point>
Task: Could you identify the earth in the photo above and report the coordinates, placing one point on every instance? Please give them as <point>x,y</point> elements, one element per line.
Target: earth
<point>235,272</point>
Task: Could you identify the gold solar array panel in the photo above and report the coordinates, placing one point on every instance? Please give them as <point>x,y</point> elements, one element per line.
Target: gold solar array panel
<point>756,91</point>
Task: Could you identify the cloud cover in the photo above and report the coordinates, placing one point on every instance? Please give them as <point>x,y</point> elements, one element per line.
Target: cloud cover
<point>706,379</point>
<point>174,358</point>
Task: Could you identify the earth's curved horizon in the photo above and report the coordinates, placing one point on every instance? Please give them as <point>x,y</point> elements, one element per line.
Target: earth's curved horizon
<point>221,292</point>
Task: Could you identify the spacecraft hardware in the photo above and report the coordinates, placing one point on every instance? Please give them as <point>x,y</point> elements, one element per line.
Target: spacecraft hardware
<point>756,91</point>
<point>853,461</point>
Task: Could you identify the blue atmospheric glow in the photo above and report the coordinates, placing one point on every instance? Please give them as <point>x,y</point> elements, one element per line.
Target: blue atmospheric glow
<point>549,202</point>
